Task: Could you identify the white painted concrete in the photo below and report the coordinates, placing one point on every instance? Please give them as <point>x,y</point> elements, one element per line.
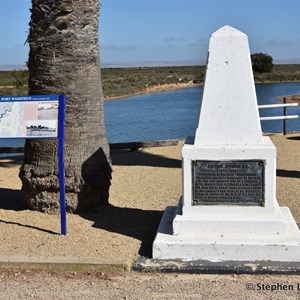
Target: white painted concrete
<point>264,151</point>
<point>229,113</point>
<point>261,248</point>
<point>229,130</point>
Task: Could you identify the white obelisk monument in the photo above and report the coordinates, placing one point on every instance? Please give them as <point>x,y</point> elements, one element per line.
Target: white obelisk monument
<point>228,210</point>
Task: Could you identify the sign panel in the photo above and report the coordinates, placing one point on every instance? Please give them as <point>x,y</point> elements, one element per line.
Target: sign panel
<point>236,182</point>
<point>38,116</point>
<point>29,117</point>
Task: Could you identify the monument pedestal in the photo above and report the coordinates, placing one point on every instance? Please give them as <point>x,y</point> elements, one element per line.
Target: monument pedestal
<point>236,248</point>
<point>228,211</point>
<point>243,232</point>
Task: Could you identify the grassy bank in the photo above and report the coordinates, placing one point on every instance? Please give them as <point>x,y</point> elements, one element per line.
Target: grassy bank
<point>128,81</point>
<point>290,99</point>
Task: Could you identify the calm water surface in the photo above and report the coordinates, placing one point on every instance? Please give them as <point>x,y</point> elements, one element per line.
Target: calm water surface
<point>174,114</point>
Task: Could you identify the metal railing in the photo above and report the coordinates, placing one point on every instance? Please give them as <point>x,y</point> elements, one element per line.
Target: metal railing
<point>283,117</point>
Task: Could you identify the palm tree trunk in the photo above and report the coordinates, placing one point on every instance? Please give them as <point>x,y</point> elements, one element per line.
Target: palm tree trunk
<point>64,58</point>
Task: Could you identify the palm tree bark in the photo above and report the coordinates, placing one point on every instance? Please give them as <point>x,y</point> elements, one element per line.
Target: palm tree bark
<point>64,58</point>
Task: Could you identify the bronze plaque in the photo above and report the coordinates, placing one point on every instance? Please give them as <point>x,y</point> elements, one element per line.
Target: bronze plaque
<point>235,182</point>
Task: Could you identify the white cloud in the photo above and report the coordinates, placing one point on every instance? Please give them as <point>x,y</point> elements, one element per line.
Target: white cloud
<point>114,47</point>
<point>279,42</point>
<point>169,39</point>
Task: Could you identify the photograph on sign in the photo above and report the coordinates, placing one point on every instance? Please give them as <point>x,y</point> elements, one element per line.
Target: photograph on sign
<point>29,119</point>
<point>41,128</point>
<point>48,110</point>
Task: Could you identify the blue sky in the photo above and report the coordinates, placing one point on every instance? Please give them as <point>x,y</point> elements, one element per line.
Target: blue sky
<point>174,31</point>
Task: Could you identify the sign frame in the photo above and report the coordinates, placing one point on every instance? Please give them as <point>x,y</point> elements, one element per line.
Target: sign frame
<point>60,135</point>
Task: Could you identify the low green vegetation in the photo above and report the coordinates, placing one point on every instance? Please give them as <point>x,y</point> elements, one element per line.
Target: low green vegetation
<point>128,81</point>
<point>13,82</point>
<point>280,73</point>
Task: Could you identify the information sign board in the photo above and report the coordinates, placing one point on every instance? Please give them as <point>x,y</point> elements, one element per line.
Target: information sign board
<point>37,116</point>
<point>29,117</point>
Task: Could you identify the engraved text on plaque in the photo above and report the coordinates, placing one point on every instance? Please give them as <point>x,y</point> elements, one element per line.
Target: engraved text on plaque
<point>235,182</point>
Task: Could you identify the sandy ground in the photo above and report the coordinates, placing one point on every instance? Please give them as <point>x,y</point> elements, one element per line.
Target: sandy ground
<point>144,183</point>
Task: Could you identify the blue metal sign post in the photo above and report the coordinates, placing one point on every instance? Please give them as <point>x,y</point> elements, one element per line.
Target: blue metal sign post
<point>61,164</point>
<point>37,117</point>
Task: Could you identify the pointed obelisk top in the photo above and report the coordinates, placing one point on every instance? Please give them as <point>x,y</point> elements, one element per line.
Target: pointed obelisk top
<point>228,30</point>
<point>229,111</point>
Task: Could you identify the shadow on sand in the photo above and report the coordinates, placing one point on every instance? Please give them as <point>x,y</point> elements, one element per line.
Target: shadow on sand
<point>140,158</point>
<point>12,200</point>
<point>10,161</point>
<point>294,138</point>
<point>28,226</point>
<point>137,223</point>
<point>288,173</point>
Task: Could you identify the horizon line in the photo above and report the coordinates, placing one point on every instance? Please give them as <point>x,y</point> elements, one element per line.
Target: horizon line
<point>149,63</point>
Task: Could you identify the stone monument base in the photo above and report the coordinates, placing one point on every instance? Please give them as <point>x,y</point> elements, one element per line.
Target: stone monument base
<point>284,248</point>
<point>228,228</point>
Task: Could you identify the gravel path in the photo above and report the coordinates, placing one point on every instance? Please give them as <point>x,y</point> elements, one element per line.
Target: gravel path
<point>15,284</point>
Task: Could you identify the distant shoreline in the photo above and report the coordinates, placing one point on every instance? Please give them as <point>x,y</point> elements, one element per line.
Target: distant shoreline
<point>290,99</point>
<point>175,86</point>
<point>154,89</point>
